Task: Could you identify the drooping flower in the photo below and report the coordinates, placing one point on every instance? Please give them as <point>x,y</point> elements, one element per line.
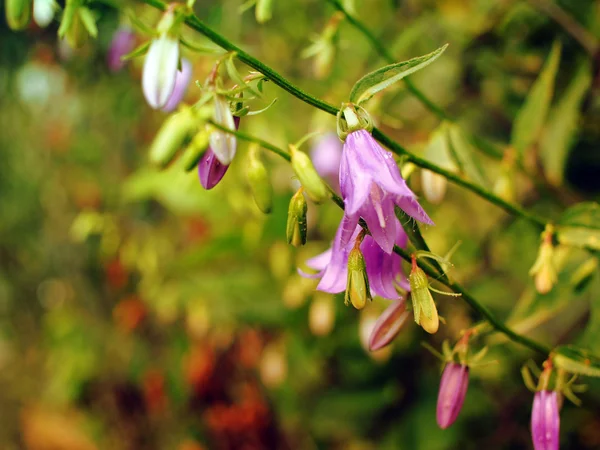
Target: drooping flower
<point>122,43</point>
<point>182,80</point>
<point>160,70</point>
<point>383,270</point>
<point>388,324</point>
<point>210,168</point>
<point>43,12</point>
<point>545,420</point>
<point>326,155</point>
<point>371,186</point>
<point>451,396</point>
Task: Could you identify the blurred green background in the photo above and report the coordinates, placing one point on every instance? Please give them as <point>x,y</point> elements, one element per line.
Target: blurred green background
<point>138,311</point>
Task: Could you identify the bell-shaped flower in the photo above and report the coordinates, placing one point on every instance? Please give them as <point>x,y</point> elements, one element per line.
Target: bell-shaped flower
<point>160,70</point>
<point>383,270</point>
<point>451,396</point>
<point>326,155</point>
<point>371,187</point>
<point>123,42</point>
<point>545,420</point>
<point>210,169</point>
<point>182,80</point>
<point>388,324</point>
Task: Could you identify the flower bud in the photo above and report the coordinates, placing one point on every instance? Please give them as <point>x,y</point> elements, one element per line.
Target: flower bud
<point>160,70</point>
<point>434,186</point>
<point>545,421</point>
<point>543,270</point>
<point>171,137</point>
<point>424,309</point>
<point>451,396</point>
<point>18,13</point>
<point>388,325</point>
<point>123,42</point>
<point>308,176</point>
<point>264,10</point>
<point>210,170</point>
<point>43,12</point>
<point>296,222</point>
<point>197,148</point>
<point>357,287</point>
<point>182,80</point>
<point>223,144</point>
<point>259,180</point>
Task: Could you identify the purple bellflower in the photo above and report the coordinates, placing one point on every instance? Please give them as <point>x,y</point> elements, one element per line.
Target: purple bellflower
<point>160,70</point>
<point>123,42</point>
<point>326,155</point>
<point>383,270</point>
<point>451,396</point>
<point>182,80</point>
<point>371,186</point>
<point>210,169</point>
<point>545,420</point>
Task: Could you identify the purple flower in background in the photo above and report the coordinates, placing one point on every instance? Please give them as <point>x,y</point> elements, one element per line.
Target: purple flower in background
<point>383,270</point>
<point>160,70</point>
<point>326,155</point>
<point>123,42</point>
<point>388,324</point>
<point>371,186</point>
<point>545,421</point>
<point>451,396</point>
<point>182,80</point>
<point>210,169</point>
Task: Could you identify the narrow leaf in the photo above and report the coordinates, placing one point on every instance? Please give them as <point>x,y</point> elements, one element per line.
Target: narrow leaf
<point>138,51</point>
<point>580,226</point>
<point>89,22</point>
<point>577,361</point>
<point>532,115</point>
<point>373,82</point>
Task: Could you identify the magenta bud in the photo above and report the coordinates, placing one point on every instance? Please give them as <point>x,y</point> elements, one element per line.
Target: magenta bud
<point>545,421</point>
<point>453,389</point>
<point>211,170</point>
<point>388,325</point>
<point>182,80</point>
<point>123,42</point>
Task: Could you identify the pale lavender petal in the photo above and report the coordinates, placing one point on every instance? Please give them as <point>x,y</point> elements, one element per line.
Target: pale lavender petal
<point>380,269</point>
<point>545,421</point>
<point>160,70</point>
<point>388,325</point>
<point>182,80</point>
<point>378,212</point>
<point>326,156</point>
<point>355,184</point>
<point>411,206</point>
<point>348,230</point>
<point>336,274</point>
<point>123,42</point>
<point>321,261</point>
<point>210,170</point>
<point>452,393</point>
<point>304,274</point>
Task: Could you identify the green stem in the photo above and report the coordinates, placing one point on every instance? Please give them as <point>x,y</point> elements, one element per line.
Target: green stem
<point>470,300</point>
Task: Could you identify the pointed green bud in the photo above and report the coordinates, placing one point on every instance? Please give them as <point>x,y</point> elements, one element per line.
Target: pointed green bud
<point>308,176</point>
<point>18,13</point>
<point>296,223</point>
<point>193,152</point>
<point>424,308</point>
<point>543,270</point>
<point>357,287</point>
<point>171,137</point>
<point>264,10</point>
<point>259,180</point>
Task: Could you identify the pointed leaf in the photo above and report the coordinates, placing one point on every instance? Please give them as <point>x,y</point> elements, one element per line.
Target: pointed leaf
<point>138,51</point>
<point>532,115</point>
<point>561,128</point>
<point>373,82</point>
<point>89,22</point>
<point>577,361</point>
<point>580,226</point>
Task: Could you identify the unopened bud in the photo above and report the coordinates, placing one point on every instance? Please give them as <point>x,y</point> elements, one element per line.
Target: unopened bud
<point>296,221</point>
<point>195,150</point>
<point>259,180</point>
<point>434,186</point>
<point>223,144</point>
<point>160,70</point>
<point>388,325</point>
<point>451,396</point>
<point>424,309</point>
<point>18,13</point>
<point>543,270</point>
<point>171,137</point>
<point>504,187</point>
<point>357,287</point>
<point>308,176</point>
<point>43,12</point>
<point>264,10</point>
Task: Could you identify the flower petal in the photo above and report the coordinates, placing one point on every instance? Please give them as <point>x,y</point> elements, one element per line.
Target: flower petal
<point>160,70</point>
<point>210,170</point>
<point>410,206</point>
<point>181,83</point>
<point>380,269</point>
<point>223,144</point>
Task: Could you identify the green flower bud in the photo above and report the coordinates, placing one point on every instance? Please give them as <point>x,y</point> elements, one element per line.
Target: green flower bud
<point>357,288</point>
<point>18,13</point>
<point>171,137</point>
<point>264,10</point>
<point>193,152</point>
<point>296,222</point>
<point>308,176</point>
<point>543,270</point>
<point>424,308</point>
<point>260,183</point>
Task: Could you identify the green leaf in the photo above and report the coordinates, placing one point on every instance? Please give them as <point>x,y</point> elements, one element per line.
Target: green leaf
<point>579,226</point>
<point>559,132</point>
<point>89,22</point>
<point>138,51</point>
<point>373,82</point>
<point>532,115</point>
<point>464,155</point>
<point>576,361</point>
